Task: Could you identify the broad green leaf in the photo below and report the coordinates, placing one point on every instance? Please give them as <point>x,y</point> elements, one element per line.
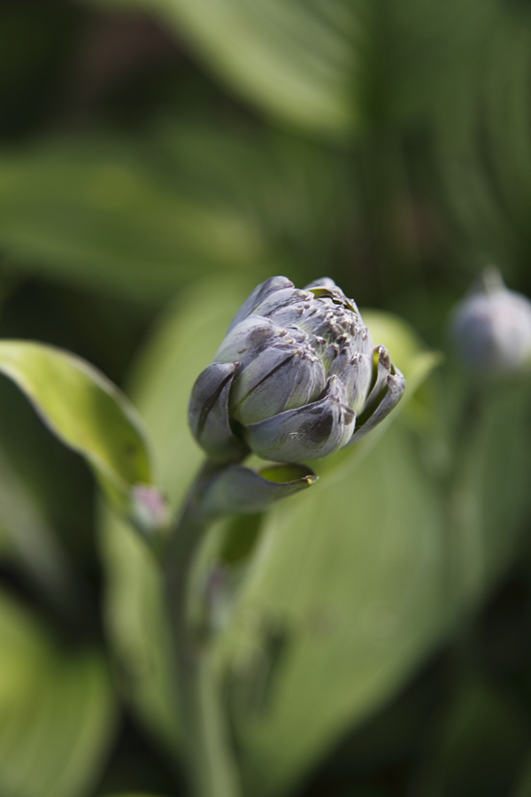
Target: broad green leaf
<point>142,216</point>
<point>57,709</point>
<point>83,409</point>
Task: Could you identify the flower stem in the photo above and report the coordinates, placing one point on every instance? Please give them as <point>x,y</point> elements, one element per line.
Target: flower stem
<point>209,756</point>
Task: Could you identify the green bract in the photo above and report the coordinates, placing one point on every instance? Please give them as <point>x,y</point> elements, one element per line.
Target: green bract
<point>296,378</point>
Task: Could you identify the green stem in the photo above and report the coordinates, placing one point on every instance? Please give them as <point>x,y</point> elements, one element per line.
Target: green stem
<point>210,758</point>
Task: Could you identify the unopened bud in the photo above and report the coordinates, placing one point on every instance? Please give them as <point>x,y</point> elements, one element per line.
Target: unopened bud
<point>296,378</point>
<point>491,328</point>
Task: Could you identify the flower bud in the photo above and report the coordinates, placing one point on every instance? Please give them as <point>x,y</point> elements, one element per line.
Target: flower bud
<point>296,378</point>
<point>491,328</point>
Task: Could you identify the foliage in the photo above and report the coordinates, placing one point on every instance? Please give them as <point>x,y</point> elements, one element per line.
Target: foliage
<point>158,159</point>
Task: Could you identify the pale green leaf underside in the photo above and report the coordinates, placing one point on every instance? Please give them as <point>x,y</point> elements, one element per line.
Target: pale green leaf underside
<point>57,711</point>
<point>82,408</point>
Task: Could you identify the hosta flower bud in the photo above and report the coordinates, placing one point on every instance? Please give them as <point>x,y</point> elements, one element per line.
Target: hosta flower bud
<point>491,328</point>
<point>296,378</point>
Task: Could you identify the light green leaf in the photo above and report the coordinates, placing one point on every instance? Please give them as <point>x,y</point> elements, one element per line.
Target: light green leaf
<point>83,409</point>
<point>354,583</point>
<point>57,709</point>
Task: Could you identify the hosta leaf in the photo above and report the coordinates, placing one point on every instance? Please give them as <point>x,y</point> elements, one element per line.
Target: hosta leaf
<point>84,410</point>
<point>142,216</point>
<point>57,708</point>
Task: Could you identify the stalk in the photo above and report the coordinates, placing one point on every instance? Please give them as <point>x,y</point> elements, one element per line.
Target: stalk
<point>210,759</point>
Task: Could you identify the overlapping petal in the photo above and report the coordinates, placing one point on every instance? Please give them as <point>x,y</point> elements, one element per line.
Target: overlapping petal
<point>208,413</point>
<point>310,432</point>
<point>281,377</point>
<point>395,384</point>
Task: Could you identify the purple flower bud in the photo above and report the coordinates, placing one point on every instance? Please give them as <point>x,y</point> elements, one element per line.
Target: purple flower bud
<point>296,378</point>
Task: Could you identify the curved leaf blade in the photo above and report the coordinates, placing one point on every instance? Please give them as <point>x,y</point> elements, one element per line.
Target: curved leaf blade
<point>83,409</point>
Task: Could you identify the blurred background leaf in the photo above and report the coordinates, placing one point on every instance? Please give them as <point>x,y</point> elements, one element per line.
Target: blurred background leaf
<point>297,61</point>
<point>58,710</point>
<point>478,746</point>
<point>144,216</point>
